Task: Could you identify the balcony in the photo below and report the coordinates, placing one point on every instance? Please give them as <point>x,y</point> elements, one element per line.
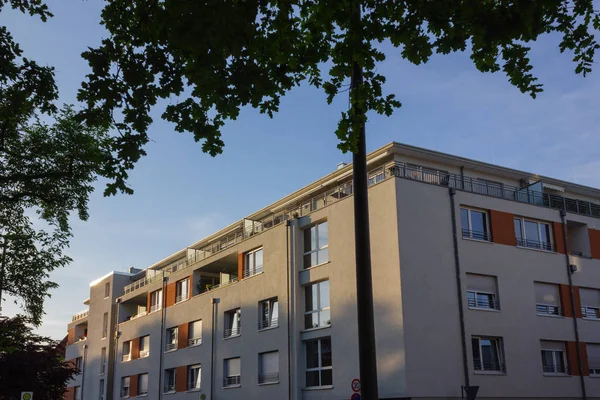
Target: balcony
<point>268,378</point>
<point>476,235</point>
<point>232,381</point>
<point>547,309</point>
<point>80,315</point>
<point>533,244</point>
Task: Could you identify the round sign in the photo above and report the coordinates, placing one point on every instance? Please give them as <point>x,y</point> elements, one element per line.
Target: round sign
<point>355,396</point>
<point>203,396</point>
<point>27,396</point>
<point>356,385</point>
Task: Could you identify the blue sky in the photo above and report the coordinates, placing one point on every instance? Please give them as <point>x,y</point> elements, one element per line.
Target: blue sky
<point>182,195</point>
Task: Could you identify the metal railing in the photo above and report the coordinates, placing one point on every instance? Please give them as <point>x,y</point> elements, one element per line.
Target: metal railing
<point>144,353</point>
<point>126,357</point>
<point>125,392</point>
<point>155,307</point>
<point>594,369</point>
<point>268,378</point>
<point>547,309</point>
<point>265,323</point>
<point>170,346</point>
<point>555,369</point>
<point>141,314</point>
<point>481,303</point>
<point>180,298</point>
<point>80,315</point>
<point>255,271</point>
<point>232,332</point>
<point>232,380</point>
<point>590,312</point>
<point>218,285</point>
<point>140,283</point>
<point>494,366</point>
<point>534,244</point>
<point>476,235</point>
<point>169,387</point>
<point>194,341</point>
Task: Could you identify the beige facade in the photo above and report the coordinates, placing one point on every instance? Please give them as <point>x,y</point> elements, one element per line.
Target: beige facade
<point>266,308</point>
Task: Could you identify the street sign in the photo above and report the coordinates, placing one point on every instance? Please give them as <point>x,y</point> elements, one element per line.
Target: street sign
<point>356,385</point>
<point>26,395</point>
<point>355,396</point>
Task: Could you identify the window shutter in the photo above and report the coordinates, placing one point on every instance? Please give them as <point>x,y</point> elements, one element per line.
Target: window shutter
<point>589,297</point>
<point>270,362</point>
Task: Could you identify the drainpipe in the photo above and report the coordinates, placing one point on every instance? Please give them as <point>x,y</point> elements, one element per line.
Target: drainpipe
<point>563,215</point>
<point>110,366</point>
<point>162,335</point>
<point>461,312</point>
<point>289,307</point>
<point>214,302</point>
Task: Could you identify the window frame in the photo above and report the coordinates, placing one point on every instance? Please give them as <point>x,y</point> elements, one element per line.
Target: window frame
<point>179,292</point>
<point>197,340</point>
<point>476,293</point>
<point>171,341</point>
<point>267,378</point>
<point>101,389</point>
<point>125,357</point>
<point>237,382</point>
<point>140,393</point>
<point>158,296</point>
<point>103,360</point>
<point>228,327</point>
<point>105,325</point>
<point>320,366</point>
<point>554,359</point>
<point>125,394</point>
<point>251,256</point>
<point>191,385</point>
<point>318,248</point>
<point>107,290</point>
<point>144,352</point>
<point>537,244</point>
<point>79,363</point>
<point>485,236</point>
<point>499,347</point>
<point>171,387</point>
<point>271,322</point>
<point>318,308</point>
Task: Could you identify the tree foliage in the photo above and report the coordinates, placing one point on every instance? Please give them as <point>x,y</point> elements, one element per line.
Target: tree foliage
<point>29,362</point>
<point>211,58</point>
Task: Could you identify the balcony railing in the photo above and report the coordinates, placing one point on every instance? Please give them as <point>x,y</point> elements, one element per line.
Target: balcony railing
<point>251,272</point>
<point>144,353</point>
<point>265,323</point>
<point>494,366</point>
<point>595,369</point>
<point>80,315</point>
<point>483,303</point>
<point>232,380</point>
<point>476,235</point>
<point>181,297</point>
<point>140,283</point>
<point>268,378</point>
<point>126,357</point>
<point>232,332</point>
<point>555,369</point>
<point>194,342</point>
<point>218,285</point>
<point>124,392</point>
<point>534,244</point>
<point>590,312</point>
<point>547,309</point>
<point>170,346</point>
<point>155,307</point>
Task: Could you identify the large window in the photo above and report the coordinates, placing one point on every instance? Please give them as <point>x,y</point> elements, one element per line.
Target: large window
<point>533,234</point>
<point>156,300</point>
<point>482,292</point>
<point>547,299</point>
<point>318,363</point>
<point>142,384</point>
<point>316,245</point>
<point>144,346</point>
<point>487,354</point>
<point>101,390</point>
<point>103,360</point>
<point>268,314</point>
<point>126,356</point>
<point>125,381</point>
<point>317,310</point>
<point>182,290</point>
<point>107,289</point>
<point>590,303</point>
<point>268,367</point>
<point>171,340</point>
<point>169,384</point>
<point>233,320</point>
<point>232,375</point>
<point>554,359</point>
<point>195,333</point>
<point>253,262</point>
<point>474,224</point>
<point>593,354</point>
<point>105,325</point>
<point>194,377</point>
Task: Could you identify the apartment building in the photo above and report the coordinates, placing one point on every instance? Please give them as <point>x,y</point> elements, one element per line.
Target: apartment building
<point>483,276</point>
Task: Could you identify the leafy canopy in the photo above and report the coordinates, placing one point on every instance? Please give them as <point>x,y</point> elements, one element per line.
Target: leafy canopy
<point>210,58</point>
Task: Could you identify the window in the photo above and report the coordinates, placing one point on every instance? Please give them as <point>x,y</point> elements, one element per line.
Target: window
<point>142,384</point>
<point>317,312</point>
<point>376,177</point>
<point>318,363</point>
<point>268,367</point>
<point>590,303</point>
<point>171,341</point>
<point>474,224</point>
<point>107,289</point>
<point>316,245</point>
<point>126,351</point>
<point>253,262</point>
<point>77,393</point>
<point>103,360</point>
<point>101,390</point>
<point>487,354</point>
<point>533,234</point>
<point>194,377</point>
<point>144,346</point>
<point>553,357</point>
<point>547,299</point>
<point>268,314</point>
<point>105,326</point>
<point>78,363</point>
<point>156,300</point>
<point>125,386</point>
<point>482,292</point>
<point>182,290</point>
<point>169,384</point>
<point>232,372</point>
<point>195,333</point>
<point>593,354</point>
<point>233,320</point>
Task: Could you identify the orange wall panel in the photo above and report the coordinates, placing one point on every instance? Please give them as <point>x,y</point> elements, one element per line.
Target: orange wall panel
<point>71,336</point>
<point>559,239</point>
<point>181,379</point>
<point>135,348</point>
<point>594,235</point>
<point>503,228</point>
<point>565,300</point>
<point>133,385</point>
<point>182,336</point>
<point>171,294</point>
<point>240,266</point>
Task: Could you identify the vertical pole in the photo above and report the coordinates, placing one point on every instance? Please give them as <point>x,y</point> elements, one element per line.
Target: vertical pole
<point>2,266</point>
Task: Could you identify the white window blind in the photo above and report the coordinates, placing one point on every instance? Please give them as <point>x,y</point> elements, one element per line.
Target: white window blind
<point>546,293</point>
